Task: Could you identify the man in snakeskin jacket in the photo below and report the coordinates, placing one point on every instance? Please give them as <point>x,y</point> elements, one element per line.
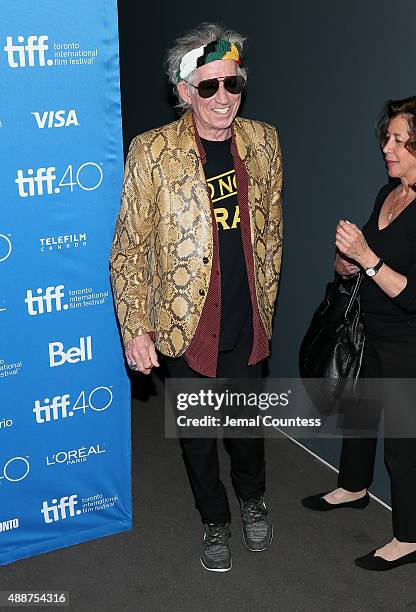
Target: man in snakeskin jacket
<point>196,260</point>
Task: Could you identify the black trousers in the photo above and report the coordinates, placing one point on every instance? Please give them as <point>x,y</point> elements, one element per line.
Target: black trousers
<point>201,455</point>
<point>386,358</point>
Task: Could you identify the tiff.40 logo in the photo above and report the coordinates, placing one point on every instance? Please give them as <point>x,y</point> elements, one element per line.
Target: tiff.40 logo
<point>30,54</point>
<point>62,406</point>
<point>44,181</point>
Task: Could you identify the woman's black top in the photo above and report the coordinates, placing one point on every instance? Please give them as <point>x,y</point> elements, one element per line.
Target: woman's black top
<point>396,245</point>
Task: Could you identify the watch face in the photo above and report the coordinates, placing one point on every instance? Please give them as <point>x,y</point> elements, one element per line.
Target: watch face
<point>370,272</point>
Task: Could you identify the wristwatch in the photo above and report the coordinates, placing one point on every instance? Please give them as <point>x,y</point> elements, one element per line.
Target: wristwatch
<point>374,269</point>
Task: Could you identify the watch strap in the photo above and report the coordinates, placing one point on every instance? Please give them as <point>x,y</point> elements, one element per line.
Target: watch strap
<point>376,268</point>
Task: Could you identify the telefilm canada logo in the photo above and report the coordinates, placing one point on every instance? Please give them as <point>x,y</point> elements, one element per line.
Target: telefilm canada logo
<point>38,51</point>
<point>48,181</point>
<point>62,243</point>
<point>66,406</point>
<point>14,469</point>
<point>75,456</point>
<point>56,299</point>
<point>9,525</point>
<point>55,118</point>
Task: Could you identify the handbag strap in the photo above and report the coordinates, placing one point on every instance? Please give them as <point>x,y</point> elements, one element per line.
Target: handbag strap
<point>354,293</point>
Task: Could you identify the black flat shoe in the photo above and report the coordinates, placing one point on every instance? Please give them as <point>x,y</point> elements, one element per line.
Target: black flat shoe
<point>378,564</point>
<point>317,502</point>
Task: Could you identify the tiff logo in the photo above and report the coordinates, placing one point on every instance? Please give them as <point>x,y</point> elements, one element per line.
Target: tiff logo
<point>44,303</point>
<point>43,176</point>
<point>22,55</point>
<point>58,407</point>
<point>59,509</point>
<point>57,355</point>
<point>56,119</point>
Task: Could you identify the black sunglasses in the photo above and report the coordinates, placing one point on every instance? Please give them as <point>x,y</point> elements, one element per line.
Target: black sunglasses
<point>209,87</point>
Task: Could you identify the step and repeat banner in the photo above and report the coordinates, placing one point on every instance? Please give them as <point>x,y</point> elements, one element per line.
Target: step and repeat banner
<point>64,393</point>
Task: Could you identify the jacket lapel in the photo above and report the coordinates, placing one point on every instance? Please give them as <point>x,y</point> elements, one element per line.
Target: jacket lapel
<point>246,147</point>
<point>187,168</point>
<point>189,172</point>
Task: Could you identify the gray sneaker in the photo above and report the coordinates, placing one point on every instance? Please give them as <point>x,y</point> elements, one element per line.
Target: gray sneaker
<point>215,549</point>
<point>257,526</point>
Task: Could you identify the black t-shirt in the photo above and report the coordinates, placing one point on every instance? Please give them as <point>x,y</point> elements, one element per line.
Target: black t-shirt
<point>396,245</point>
<point>236,311</point>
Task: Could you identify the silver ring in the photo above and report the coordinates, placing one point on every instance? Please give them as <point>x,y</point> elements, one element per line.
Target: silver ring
<point>133,365</point>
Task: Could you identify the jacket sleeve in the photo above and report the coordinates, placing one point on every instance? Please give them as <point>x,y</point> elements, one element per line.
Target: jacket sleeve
<point>128,260</point>
<point>274,233</point>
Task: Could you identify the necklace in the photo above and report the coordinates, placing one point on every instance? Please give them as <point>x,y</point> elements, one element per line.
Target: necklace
<point>396,205</point>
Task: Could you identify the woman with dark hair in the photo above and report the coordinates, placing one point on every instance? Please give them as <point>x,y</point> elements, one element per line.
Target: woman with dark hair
<point>386,250</point>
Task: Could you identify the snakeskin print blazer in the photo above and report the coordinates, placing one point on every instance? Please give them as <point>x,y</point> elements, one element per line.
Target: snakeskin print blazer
<point>164,230</point>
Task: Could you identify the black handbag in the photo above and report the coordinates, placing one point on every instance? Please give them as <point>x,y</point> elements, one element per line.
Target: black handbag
<point>333,346</point>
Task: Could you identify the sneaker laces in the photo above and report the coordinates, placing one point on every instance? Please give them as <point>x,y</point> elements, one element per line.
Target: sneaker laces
<point>217,534</point>
<point>253,511</point>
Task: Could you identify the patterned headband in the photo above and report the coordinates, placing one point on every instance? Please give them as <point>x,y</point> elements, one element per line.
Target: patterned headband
<point>213,51</point>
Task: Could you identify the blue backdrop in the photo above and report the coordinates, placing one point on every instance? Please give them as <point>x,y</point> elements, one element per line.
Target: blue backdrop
<point>64,394</point>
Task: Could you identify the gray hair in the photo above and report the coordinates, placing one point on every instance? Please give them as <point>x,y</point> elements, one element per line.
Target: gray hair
<point>198,37</point>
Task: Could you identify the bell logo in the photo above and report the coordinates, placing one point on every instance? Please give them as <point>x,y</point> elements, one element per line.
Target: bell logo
<point>57,355</point>
<point>58,509</point>
<point>30,54</point>
<point>56,119</point>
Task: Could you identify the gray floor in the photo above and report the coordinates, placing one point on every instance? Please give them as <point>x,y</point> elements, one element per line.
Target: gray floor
<point>156,566</point>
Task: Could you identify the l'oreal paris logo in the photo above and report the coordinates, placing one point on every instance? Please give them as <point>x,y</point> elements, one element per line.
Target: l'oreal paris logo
<point>79,455</point>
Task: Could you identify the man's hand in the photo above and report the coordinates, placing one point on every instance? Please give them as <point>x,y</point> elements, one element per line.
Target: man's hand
<point>141,351</point>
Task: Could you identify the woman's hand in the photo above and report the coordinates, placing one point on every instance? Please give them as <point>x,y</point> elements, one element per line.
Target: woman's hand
<point>344,266</point>
<point>350,242</point>
<point>352,245</point>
